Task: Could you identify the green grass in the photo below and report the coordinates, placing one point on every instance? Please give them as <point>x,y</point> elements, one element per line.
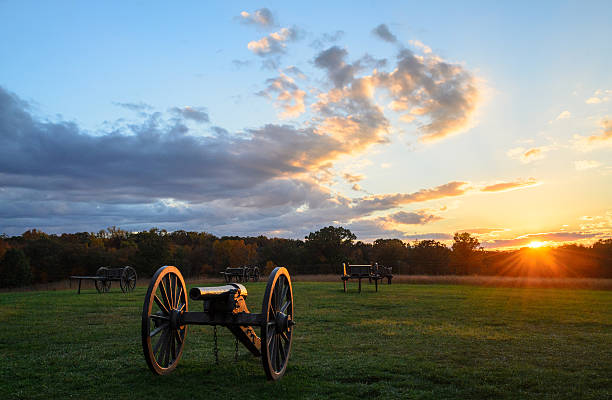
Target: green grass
<point>406,341</point>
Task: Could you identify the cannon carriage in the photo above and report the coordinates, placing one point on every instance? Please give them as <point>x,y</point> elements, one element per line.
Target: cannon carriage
<point>166,315</point>
<point>371,272</point>
<point>241,274</point>
<point>126,276</point>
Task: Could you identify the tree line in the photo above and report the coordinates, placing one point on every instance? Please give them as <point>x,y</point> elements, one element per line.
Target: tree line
<point>37,257</point>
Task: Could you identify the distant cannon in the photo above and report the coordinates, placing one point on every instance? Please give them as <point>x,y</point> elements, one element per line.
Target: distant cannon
<point>371,272</point>
<point>241,274</point>
<point>165,317</point>
<point>126,276</point>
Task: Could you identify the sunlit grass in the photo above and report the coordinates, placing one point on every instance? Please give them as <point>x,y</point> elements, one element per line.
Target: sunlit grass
<point>406,341</point>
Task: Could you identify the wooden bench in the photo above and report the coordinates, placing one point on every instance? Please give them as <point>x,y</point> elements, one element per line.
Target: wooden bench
<point>126,276</point>
<point>359,272</point>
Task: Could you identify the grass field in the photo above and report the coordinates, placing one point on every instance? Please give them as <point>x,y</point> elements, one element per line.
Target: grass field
<point>406,341</point>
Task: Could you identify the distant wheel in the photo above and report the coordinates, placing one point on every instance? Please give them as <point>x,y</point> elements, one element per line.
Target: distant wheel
<point>128,279</point>
<point>102,285</point>
<point>256,275</point>
<point>277,332</point>
<point>163,337</point>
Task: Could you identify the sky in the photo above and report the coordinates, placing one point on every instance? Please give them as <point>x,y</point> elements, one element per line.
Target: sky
<point>412,120</point>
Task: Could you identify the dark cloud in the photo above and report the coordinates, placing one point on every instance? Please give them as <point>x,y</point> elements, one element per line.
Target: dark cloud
<point>388,201</point>
<point>137,107</point>
<point>197,114</point>
<point>412,218</point>
<point>383,32</point>
<point>333,61</point>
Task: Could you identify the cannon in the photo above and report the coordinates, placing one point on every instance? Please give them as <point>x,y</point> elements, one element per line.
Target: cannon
<point>241,274</point>
<point>166,315</point>
<point>126,276</point>
<point>359,272</point>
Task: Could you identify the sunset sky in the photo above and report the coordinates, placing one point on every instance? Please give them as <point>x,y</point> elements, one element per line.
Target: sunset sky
<point>402,120</point>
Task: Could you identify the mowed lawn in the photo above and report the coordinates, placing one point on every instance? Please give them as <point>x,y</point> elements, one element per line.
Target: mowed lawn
<point>406,341</point>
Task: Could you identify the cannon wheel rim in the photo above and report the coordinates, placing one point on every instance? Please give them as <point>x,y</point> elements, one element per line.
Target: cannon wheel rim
<point>128,279</point>
<point>278,295</point>
<point>102,286</point>
<point>166,293</point>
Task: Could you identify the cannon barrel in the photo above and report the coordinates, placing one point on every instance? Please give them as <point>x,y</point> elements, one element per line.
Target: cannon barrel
<point>210,292</point>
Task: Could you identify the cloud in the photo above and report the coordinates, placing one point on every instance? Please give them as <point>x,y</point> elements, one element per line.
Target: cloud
<point>167,172</point>
<point>528,155</point>
<point>564,115</point>
<point>158,172</point>
<point>289,97</point>
<point>262,17</point>
<point>352,178</point>
<point>482,231</point>
<point>239,64</point>
<point>326,39</point>
<point>439,97</point>
<point>137,107</point>
<point>412,218</point>
<point>382,32</point>
<point>418,44</point>
<point>524,240</point>
<point>274,43</point>
<point>428,236</point>
<point>506,186</point>
<point>582,165</point>
<point>592,142</point>
<point>197,114</point>
<point>429,87</point>
<point>369,204</point>
<point>600,96</point>
<point>332,60</point>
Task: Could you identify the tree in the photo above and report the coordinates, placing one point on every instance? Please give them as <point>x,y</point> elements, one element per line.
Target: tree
<point>389,252</point>
<point>330,244</point>
<point>428,257</point>
<point>465,257</point>
<point>15,269</point>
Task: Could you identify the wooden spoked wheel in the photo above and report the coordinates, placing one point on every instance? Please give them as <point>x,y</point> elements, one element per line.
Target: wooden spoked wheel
<point>163,337</point>
<point>102,286</point>
<point>277,331</point>
<point>128,279</point>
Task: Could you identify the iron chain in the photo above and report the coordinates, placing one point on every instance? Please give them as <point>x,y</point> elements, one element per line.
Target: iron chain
<point>216,348</point>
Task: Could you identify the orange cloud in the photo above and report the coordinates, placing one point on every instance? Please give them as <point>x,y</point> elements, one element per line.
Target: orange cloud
<point>506,186</point>
<point>603,139</point>
<point>528,155</point>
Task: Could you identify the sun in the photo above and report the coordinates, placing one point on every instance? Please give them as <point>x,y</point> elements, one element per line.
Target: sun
<point>536,244</point>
